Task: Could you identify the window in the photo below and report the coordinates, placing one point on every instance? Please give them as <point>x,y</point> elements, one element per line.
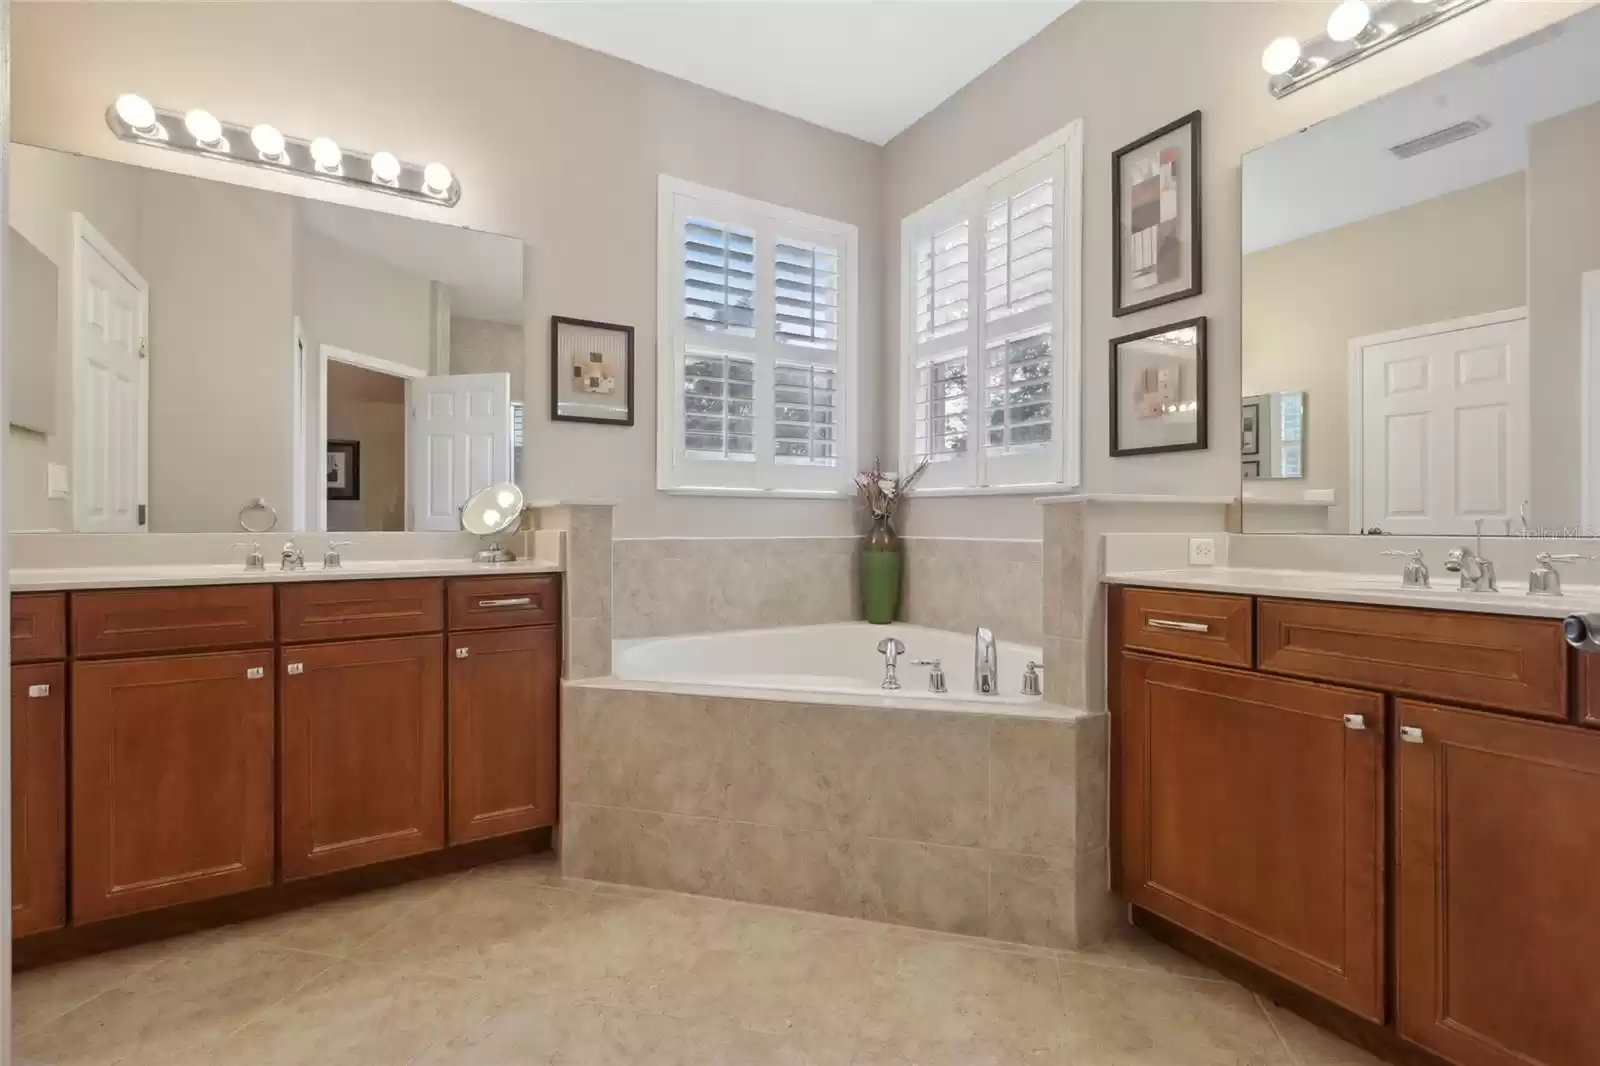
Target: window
<point>757,346</point>
<point>989,337</point>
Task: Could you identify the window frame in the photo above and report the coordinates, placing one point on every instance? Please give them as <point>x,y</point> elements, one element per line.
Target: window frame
<point>1057,467</point>
<point>676,471</point>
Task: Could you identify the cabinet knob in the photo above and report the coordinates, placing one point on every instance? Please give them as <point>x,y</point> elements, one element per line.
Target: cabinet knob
<point>1355,721</point>
<point>255,673</point>
<point>38,692</point>
<point>461,653</point>
<point>1411,734</point>
<point>297,668</point>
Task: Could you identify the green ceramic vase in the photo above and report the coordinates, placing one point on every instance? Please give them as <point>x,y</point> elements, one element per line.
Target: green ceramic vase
<point>880,573</point>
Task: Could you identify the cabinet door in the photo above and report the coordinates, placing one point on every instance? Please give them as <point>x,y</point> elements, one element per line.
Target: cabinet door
<point>363,753</point>
<point>171,780</point>
<point>38,798</point>
<point>1253,816</point>
<point>1497,933</point>
<point>504,691</point>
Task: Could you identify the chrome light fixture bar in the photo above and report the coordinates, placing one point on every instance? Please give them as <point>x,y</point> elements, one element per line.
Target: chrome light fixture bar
<point>199,132</point>
<point>1356,30</point>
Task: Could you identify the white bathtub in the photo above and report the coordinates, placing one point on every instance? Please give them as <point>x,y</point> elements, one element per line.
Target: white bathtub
<point>841,659</point>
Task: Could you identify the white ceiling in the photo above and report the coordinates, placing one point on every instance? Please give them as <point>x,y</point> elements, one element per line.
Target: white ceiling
<point>1341,170</point>
<point>868,68</point>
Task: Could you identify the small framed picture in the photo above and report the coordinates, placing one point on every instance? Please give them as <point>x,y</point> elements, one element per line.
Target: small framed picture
<point>1158,390</point>
<point>1155,203</point>
<point>1249,424</point>
<point>591,372</point>
<point>344,470</point>
<point>1251,469</point>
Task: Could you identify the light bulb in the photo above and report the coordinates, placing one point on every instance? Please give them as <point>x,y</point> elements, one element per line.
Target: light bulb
<point>1349,19</point>
<point>203,127</point>
<point>504,498</point>
<point>325,153</point>
<point>136,111</point>
<point>1281,56</point>
<point>436,179</point>
<point>385,167</point>
<point>491,517</point>
<point>268,141</point>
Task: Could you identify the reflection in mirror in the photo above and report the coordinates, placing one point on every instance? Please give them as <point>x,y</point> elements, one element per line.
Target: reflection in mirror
<point>216,344</point>
<point>491,512</point>
<point>1420,270</point>
<point>1272,435</point>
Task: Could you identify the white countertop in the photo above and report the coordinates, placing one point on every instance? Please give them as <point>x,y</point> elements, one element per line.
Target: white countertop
<point>1385,589</point>
<point>158,576</point>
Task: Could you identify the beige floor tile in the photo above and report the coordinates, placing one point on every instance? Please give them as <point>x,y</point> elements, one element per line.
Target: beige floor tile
<point>336,927</point>
<point>45,994</point>
<point>1313,1046</point>
<point>1121,1017</point>
<point>1132,949</point>
<point>948,1004</point>
<point>191,1000</point>
<point>535,1031</point>
<point>354,1014</point>
<point>543,869</point>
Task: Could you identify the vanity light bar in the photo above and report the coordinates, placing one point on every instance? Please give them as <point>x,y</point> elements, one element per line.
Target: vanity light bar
<point>198,132</point>
<point>1356,30</point>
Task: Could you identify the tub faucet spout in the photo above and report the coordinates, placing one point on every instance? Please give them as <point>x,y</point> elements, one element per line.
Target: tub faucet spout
<point>892,649</point>
<point>985,662</point>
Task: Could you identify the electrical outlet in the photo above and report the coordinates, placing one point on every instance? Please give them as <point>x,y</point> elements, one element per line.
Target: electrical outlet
<point>1202,551</point>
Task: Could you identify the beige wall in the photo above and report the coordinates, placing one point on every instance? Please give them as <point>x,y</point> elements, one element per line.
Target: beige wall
<point>353,300</point>
<point>553,144</point>
<point>1127,69</point>
<point>478,346</point>
<point>1457,255</point>
<point>1563,243</point>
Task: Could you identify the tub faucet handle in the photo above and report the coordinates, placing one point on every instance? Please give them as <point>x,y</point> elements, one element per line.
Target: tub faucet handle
<point>891,649</point>
<point>1030,679</point>
<point>936,681</point>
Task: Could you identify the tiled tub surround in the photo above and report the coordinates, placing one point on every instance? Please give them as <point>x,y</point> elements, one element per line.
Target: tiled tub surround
<point>672,585</point>
<point>959,584</point>
<point>588,622</point>
<point>984,822</point>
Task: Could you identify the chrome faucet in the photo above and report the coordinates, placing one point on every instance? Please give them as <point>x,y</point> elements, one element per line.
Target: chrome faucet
<point>892,649</point>
<point>1030,679</point>
<point>1415,575</point>
<point>253,561</point>
<point>291,558</point>
<point>1477,573</point>
<point>985,662</point>
<point>330,556</point>
<point>1544,579</point>
<point>936,681</point>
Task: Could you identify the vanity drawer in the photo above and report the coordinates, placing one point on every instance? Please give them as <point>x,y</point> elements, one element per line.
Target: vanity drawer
<point>139,621</point>
<point>38,627</point>
<point>1191,625</point>
<point>343,610</point>
<point>502,602</point>
<point>1510,664</point>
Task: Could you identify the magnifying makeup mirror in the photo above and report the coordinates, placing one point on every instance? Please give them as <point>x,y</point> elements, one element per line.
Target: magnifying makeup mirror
<point>491,512</point>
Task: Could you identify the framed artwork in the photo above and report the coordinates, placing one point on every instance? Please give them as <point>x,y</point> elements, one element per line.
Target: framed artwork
<point>1155,203</point>
<point>591,372</point>
<point>344,470</point>
<point>1158,390</point>
<point>1252,469</point>
<point>1249,426</point>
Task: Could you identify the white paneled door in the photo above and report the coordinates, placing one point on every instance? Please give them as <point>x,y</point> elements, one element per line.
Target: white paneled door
<point>110,373</point>
<point>458,440</point>
<point>1439,426</point>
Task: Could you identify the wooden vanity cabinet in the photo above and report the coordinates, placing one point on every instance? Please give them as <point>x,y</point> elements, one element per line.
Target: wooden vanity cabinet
<point>361,739</point>
<point>38,797</point>
<point>1252,814</point>
<point>504,694</point>
<point>1498,864</point>
<point>171,780</point>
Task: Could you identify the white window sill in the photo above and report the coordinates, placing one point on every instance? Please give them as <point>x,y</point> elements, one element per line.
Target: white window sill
<point>757,494</point>
<point>1046,489</point>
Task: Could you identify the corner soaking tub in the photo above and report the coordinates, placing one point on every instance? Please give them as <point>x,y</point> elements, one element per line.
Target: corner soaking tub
<point>841,659</point>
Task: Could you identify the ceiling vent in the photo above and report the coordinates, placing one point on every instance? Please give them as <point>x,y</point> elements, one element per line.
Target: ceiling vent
<point>1439,138</point>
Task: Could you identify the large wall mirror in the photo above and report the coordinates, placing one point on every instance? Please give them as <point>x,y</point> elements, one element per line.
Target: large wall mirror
<point>1421,305</point>
<point>180,347</point>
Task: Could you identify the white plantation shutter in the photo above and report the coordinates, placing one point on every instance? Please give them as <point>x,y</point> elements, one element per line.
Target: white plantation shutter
<point>758,351</point>
<point>998,368</point>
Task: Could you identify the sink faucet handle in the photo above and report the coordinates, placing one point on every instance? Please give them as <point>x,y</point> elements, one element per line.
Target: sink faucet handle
<point>1546,558</point>
<point>330,556</point>
<point>1410,553</point>
<point>1415,574</point>
<point>254,560</point>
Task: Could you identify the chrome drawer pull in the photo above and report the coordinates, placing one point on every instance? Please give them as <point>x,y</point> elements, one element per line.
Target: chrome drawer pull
<point>512,601</point>
<point>1355,721</point>
<point>255,673</point>
<point>297,668</point>
<point>1182,627</point>
<point>38,692</point>
<point>1411,734</point>
<point>461,653</point>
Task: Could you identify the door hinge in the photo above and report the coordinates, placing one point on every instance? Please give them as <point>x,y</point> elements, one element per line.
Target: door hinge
<point>142,518</point>
<point>143,348</point>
